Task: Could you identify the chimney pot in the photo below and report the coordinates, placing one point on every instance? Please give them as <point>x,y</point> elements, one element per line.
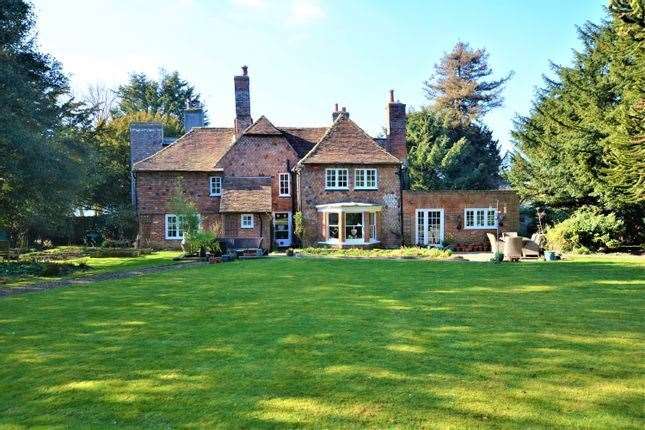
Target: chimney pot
<point>336,107</point>
<point>344,109</point>
<point>391,96</point>
<point>245,70</point>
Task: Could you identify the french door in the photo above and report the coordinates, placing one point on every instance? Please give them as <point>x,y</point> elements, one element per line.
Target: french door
<point>282,229</point>
<point>430,229</point>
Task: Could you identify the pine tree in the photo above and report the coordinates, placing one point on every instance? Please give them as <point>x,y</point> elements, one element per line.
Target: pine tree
<point>459,86</point>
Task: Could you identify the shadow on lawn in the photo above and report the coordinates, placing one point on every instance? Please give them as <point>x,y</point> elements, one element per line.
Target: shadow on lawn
<point>341,344</point>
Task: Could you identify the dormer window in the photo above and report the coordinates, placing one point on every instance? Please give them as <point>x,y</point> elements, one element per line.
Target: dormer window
<point>215,186</point>
<point>336,179</point>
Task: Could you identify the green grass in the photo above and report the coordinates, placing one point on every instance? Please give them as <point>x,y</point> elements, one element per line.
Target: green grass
<point>98,266</point>
<point>288,342</point>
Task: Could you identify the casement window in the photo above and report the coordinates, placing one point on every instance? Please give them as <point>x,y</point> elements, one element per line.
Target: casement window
<point>480,218</point>
<point>246,221</point>
<point>332,226</point>
<point>215,186</point>
<point>365,179</point>
<point>284,184</point>
<point>336,179</point>
<point>372,224</point>
<point>353,226</point>
<point>173,227</point>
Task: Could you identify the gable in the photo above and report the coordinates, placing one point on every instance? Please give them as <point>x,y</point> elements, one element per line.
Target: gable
<point>345,142</point>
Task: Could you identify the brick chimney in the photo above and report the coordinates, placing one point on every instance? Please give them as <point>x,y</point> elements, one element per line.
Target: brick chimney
<point>335,113</point>
<point>396,121</point>
<point>193,115</point>
<point>242,102</point>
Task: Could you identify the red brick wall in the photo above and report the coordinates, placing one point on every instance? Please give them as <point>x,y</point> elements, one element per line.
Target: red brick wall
<point>262,156</point>
<point>453,203</point>
<point>312,192</point>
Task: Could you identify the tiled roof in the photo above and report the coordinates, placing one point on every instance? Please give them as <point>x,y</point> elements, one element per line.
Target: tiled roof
<point>262,127</point>
<point>345,142</point>
<point>198,151</point>
<point>303,139</point>
<point>246,195</point>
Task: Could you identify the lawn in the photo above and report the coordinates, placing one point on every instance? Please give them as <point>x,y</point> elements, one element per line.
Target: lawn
<point>325,343</point>
<point>98,266</point>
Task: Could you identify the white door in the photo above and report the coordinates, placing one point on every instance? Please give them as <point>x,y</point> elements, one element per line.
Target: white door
<point>282,229</point>
<point>429,229</point>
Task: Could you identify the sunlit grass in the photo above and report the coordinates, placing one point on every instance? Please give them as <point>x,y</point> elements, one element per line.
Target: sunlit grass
<point>333,343</point>
<point>98,265</point>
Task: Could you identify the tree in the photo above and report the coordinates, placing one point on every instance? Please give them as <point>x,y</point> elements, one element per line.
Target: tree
<point>582,144</point>
<point>44,132</point>
<point>167,96</point>
<point>459,86</point>
<point>109,188</point>
<point>444,156</point>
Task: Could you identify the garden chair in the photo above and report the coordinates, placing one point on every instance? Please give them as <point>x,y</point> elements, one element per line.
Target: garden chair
<point>530,248</point>
<point>513,248</point>
<point>495,245</point>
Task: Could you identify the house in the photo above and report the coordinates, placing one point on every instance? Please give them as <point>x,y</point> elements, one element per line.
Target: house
<point>249,180</point>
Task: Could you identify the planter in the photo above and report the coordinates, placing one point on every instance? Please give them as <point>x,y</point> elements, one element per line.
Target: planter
<point>550,255</point>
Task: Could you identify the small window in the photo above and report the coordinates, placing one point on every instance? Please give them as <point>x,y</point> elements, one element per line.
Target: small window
<point>332,225</point>
<point>336,179</point>
<point>173,227</point>
<point>365,179</point>
<point>246,221</point>
<point>215,188</point>
<point>284,184</point>
<point>480,218</point>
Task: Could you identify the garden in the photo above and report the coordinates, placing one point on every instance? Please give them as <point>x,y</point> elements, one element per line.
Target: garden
<point>304,342</point>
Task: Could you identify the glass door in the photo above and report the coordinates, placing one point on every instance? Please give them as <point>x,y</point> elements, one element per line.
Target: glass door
<point>429,229</point>
<point>282,229</point>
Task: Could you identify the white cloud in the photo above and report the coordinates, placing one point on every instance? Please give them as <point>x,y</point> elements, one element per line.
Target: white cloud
<point>306,11</point>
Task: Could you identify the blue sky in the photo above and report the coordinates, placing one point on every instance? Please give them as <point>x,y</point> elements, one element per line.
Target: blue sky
<point>306,55</point>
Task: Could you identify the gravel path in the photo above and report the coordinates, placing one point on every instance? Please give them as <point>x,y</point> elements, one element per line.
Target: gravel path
<point>90,279</point>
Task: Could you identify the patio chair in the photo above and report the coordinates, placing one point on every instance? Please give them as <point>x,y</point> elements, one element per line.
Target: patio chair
<point>495,245</point>
<point>509,234</point>
<point>530,248</point>
<point>513,248</point>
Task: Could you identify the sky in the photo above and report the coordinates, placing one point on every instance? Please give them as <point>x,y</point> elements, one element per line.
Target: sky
<point>305,55</point>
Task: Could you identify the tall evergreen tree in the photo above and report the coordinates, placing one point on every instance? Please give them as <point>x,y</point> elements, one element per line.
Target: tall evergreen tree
<point>445,156</point>
<point>166,96</point>
<point>582,144</point>
<point>43,131</point>
<point>460,87</point>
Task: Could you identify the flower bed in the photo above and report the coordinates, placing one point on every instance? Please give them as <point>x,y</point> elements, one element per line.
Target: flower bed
<point>404,252</point>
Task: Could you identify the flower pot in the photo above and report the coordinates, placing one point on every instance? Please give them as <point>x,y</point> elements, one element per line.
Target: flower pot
<point>550,255</point>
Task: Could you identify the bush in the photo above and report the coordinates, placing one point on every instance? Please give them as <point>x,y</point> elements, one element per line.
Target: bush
<point>116,243</point>
<point>34,268</point>
<point>202,239</point>
<point>585,231</point>
<point>498,257</point>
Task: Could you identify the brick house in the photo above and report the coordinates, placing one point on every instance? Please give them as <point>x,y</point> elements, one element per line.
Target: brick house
<point>249,180</point>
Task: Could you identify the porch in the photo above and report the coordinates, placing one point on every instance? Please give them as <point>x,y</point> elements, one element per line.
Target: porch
<point>350,224</point>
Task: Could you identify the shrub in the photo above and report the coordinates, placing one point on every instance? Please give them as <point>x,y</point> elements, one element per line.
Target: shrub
<point>34,268</point>
<point>585,231</point>
<point>498,257</point>
<point>202,239</point>
<point>404,252</point>
<point>116,243</point>
<point>299,225</point>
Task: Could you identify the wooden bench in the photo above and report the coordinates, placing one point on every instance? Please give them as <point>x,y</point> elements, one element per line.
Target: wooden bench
<point>243,246</point>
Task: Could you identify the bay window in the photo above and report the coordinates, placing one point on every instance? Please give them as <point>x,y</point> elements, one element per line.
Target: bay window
<point>353,226</point>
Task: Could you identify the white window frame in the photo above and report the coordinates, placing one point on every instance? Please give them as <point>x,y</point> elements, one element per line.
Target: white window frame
<point>178,228</point>
<point>359,240</point>
<point>363,178</point>
<point>212,179</point>
<point>421,237</point>
<point>282,177</point>
<point>330,239</point>
<point>334,184</point>
<point>247,225</point>
<point>484,225</point>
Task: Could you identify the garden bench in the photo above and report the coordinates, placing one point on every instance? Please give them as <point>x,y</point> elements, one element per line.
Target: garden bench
<point>244,246</point>
<point>6,252</point>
